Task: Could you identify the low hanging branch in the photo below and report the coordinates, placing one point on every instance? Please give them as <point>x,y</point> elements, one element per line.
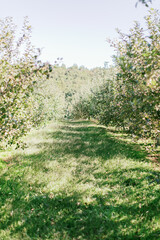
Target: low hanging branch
<point>145,2</point>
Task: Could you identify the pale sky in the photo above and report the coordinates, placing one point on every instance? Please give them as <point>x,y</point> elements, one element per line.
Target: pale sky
<point>75,29</point>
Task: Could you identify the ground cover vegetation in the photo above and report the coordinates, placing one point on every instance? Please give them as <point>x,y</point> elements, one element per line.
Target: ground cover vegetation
<point>77,180</point>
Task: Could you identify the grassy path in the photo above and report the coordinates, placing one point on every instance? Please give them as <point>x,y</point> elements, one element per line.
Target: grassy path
<point>76,181</point>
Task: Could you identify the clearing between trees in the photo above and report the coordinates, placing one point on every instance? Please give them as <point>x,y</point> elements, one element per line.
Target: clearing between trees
<point>78,180</point>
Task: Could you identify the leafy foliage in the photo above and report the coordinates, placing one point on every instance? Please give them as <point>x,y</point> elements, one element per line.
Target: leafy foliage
<point>78,181</point>
<point>131,100</point>
<point>19,74</point>
<point>67,85</point>
<point>138,76</point>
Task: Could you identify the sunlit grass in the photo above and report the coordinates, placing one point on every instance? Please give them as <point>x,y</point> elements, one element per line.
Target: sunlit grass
<point>77,181</point>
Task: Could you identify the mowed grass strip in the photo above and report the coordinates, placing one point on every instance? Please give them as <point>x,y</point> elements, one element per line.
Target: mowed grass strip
<point>77,181</point>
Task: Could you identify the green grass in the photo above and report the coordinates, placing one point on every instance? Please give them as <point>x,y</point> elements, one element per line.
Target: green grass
<point>78,181</point>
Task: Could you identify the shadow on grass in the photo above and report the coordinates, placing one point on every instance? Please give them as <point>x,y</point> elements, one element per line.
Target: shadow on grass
<point>31,214</point>
<point>90,141</point>
<point>80,140</point>
<point>66,217</point>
